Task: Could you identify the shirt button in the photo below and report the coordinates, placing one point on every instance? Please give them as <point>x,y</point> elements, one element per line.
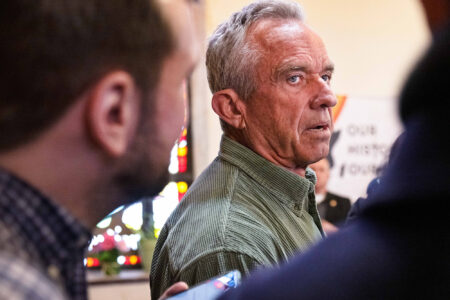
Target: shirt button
<point>53,272</point>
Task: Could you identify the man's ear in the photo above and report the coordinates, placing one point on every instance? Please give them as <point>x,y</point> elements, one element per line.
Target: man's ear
<point>112,112</point>
<point>229,107</point>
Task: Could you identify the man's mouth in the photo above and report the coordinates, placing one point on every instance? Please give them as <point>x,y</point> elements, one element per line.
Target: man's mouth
<point>320,127</point>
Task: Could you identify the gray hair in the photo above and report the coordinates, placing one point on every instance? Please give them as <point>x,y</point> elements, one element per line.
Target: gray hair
<point>230,58</point>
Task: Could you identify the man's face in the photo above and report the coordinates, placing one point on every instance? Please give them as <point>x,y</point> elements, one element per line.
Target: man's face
<point>144,169</point>
<point>288,118</point>
<point>170,110</point>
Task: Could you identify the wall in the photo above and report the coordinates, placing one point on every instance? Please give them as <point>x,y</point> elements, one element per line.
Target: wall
<point>373,44</point>
<point>120,291</point>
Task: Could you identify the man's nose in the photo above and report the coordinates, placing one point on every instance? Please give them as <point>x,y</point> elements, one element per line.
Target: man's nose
<point>323,95</point>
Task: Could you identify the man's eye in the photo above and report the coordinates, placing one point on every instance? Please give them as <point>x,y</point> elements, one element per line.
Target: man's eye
<point>326,78</point>
<point>294,79</point>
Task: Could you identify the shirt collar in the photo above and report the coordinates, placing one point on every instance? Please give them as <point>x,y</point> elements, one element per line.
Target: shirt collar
<point>57,235</point>
<point>289,187</point>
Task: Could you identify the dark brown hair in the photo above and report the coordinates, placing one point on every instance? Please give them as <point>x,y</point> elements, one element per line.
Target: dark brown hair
<point>54,50</point>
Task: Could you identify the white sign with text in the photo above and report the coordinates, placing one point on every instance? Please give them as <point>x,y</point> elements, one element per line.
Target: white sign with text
<point>363,134</point>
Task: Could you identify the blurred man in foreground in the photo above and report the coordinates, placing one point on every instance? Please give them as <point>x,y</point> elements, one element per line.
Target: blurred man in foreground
<point>398,247</point>
<point>91,105</point>
<point>254,205</point>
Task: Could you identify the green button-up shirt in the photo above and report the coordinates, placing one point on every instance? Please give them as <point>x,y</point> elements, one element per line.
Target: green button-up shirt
<point>242,211</point>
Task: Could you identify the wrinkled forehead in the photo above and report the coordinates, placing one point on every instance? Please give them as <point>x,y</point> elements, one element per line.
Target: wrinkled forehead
<point>285,44</point>
<point>270,34</point>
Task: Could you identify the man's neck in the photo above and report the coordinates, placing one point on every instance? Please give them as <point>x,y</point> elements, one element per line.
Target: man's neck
<point>50,175</point>
<point>61,165</point>
<point>261,151</point>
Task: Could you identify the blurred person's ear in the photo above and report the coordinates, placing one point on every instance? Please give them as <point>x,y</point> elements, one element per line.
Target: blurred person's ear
<point>112,112</point>
<point>229,107</point>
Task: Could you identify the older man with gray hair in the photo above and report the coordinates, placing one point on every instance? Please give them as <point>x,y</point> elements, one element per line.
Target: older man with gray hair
<point>255,205</point>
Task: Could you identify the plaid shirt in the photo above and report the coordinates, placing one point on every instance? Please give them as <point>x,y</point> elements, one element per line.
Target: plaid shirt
<point>41,246</point>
